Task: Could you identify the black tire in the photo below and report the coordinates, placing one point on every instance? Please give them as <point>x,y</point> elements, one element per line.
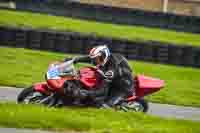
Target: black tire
<point>144,103</point>
<point>140,105</point>
<point>26,93</point>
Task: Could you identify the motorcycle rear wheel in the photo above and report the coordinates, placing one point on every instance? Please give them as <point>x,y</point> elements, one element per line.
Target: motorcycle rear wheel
<point>140,105</point>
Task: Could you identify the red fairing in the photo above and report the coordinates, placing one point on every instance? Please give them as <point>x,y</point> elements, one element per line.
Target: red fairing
<point>147,85</point>
<point>89,77</point>
<point>56,84</point>
<point>41,87</point>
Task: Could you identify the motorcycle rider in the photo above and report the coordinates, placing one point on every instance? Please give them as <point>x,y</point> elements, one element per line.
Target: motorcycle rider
<point>117,74</point>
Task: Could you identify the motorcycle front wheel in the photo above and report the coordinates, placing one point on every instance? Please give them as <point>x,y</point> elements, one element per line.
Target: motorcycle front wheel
<point>30,96</point>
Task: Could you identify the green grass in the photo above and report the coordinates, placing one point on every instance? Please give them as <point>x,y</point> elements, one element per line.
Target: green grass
<point>90,120</point>
<point>21,68</point>
<point>139,33</point>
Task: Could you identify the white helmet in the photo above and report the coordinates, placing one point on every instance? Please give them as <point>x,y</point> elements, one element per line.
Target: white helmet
<point>100,51</point>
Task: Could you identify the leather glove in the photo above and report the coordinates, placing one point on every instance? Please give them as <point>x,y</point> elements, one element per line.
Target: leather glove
<point>67,59</point>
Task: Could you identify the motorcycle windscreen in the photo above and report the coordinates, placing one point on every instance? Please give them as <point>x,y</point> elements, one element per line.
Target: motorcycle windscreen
<point>148,85</point>
<point>89,78</point>
<point>55,71</point>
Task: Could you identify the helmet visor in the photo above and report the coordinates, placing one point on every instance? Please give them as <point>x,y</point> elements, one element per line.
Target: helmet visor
<point>97,60</point>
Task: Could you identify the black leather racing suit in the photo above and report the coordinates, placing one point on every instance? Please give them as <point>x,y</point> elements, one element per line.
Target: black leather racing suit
<point>118,84</point>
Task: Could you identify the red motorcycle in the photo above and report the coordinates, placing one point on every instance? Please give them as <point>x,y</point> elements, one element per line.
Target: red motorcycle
<point>61,73</point>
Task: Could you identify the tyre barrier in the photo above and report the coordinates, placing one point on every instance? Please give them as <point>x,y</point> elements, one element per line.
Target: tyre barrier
<point>111,14</point>
<point>72,42</point>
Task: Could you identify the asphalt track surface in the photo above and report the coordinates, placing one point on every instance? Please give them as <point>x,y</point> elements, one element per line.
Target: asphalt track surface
<point>14,130</point>
<point>9,94</point>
